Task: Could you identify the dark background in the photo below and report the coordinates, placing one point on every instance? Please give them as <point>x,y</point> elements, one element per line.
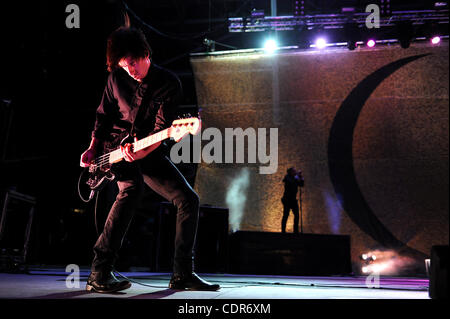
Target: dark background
<point>51,82</point>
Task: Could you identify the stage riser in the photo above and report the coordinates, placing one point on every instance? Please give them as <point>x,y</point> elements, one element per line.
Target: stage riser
<point>289,254</point>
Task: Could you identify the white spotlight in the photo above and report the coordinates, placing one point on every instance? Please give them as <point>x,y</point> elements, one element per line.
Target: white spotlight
<point>321,43</point>
<point>270,46</point>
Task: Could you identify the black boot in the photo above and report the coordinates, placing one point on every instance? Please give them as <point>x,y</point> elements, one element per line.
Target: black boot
<point>191,281</point>
<point>105,282</point>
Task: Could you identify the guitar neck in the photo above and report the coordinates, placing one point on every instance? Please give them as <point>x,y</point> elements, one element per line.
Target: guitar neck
<point>117,156</point>
<point>151,140</point>
<point>177,130</point>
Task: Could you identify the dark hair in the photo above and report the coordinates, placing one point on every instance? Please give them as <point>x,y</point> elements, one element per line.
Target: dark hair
<point>124,42</point>
<point>290,169</point>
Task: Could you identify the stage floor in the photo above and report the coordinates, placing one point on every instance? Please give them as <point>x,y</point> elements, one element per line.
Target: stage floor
<point>50,283</point>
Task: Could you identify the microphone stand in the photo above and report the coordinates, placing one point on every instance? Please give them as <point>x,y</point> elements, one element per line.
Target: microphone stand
<point>301,210</point>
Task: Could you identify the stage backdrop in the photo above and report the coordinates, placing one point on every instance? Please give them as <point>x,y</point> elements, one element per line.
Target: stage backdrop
<point>368,128</point>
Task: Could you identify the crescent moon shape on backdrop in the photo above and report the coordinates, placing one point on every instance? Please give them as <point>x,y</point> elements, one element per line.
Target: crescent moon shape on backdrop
<point>340,156</point>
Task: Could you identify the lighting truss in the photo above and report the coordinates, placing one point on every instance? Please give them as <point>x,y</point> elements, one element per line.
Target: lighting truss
<point>332,21</point>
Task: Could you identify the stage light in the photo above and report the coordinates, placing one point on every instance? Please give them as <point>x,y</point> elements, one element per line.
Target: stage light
<point>365,269</point>
<point>371,43</point>
<point>440,5</point>
<point>210,45</point>
<point>432,31</point>
<point>321,43</point>
<point>368,258</point>
<point>435,40</point>
<point>270,46</point>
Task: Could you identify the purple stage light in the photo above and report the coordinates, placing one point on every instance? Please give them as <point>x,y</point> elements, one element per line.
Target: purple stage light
<point>436,40</point>
<point>371,43</point>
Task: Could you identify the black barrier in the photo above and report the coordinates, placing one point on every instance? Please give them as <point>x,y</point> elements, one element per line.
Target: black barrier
<point>268,253</point>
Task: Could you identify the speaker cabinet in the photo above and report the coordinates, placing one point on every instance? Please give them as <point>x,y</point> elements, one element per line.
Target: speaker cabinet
<point>438,285</point>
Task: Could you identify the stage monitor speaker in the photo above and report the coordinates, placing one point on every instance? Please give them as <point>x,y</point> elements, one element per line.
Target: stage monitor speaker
<point>266,253</point>
<point>438,284</point>
<point>15,229</point>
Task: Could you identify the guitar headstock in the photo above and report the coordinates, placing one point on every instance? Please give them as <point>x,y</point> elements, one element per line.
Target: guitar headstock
<point>181,127</point>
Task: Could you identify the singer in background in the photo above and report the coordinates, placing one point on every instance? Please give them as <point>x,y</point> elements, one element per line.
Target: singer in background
<point>292,181</point>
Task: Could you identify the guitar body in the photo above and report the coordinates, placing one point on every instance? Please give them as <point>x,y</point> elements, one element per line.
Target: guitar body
<point>102,170</point>
<point>100,175</point>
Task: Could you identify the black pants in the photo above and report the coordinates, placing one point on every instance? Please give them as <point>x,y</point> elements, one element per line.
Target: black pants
<point>160,174</point>
<point>289,204</point>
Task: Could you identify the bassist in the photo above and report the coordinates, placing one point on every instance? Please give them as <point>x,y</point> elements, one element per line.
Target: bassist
<point>140,99</point>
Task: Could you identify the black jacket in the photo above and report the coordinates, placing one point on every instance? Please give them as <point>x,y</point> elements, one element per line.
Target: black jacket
<point>156,98</point>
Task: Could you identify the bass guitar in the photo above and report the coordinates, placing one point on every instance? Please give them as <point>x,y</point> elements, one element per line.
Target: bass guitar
<point>101,170</point>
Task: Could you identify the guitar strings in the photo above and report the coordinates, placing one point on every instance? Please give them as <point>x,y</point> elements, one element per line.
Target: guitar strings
<point>104,159</point>
<point>102,162</point>
<point>99,160</point>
